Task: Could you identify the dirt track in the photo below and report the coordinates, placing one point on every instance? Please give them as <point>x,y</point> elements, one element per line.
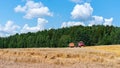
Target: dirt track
<point>86,57</point>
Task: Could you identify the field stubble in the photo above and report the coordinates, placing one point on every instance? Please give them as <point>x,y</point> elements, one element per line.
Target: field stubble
<point>86,57</point>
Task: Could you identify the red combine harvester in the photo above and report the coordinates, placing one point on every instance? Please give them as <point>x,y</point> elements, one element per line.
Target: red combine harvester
<point>81,44</point>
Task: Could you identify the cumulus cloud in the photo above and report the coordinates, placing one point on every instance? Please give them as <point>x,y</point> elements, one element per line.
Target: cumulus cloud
<point>8,29</point>
<point>96,20</point>
<point>72,23</point>
<point>40,26</point>
<point>33,10</point>
<point>19,8</point>
<point>82,11</point>
<point>108,22</point>
<point>99,20</point>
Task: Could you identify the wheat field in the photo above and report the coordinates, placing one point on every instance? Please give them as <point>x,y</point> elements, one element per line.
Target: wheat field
<point>86,57</point>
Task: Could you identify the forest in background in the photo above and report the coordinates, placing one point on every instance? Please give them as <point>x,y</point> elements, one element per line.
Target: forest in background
<point>90,35</point>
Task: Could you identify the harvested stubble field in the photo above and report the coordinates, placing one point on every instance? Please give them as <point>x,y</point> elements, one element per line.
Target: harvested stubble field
<point>85,57</point>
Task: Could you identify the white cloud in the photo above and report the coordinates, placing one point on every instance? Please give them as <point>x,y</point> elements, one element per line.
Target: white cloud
<point>108,22</point>
<point>37,12</point>
<point>19,8</point>
<point>40,26</point>
<point>72,23</point>
<point>82,12</point>
<point>33,10</point>
<point>97,20</point>
<point>8,29</point>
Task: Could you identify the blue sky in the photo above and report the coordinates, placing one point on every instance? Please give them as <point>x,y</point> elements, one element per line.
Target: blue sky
<point>22,16</point>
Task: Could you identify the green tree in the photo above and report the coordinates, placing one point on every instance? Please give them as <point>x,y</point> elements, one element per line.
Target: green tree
<point>64,41</point>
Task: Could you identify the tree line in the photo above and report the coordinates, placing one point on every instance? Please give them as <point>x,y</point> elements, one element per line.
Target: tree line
<point>90,35</point>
